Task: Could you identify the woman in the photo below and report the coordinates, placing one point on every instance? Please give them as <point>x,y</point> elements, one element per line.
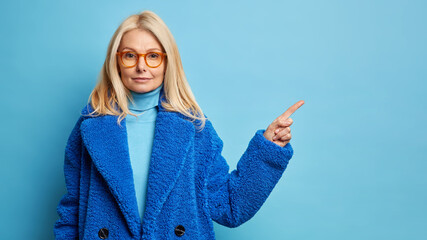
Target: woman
<point>144,162</point>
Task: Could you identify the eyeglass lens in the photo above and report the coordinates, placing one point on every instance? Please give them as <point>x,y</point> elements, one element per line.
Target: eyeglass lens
<point>131,58</point>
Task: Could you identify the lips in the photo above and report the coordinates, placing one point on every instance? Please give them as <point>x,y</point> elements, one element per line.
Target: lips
<point>141,80</point>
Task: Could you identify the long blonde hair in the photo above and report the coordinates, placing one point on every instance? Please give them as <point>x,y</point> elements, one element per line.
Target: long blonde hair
<point>110,92</point>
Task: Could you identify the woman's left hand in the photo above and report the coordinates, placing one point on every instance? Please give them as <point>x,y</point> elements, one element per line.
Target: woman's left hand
<point>279,130</point>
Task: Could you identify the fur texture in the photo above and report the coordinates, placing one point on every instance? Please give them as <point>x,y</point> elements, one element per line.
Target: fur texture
<point>189,181</point>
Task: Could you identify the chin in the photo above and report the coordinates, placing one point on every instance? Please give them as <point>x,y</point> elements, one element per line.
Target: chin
<point>143,88</point>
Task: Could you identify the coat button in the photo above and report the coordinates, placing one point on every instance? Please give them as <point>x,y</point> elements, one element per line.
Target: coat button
<point>103,233</point>
<point>179,230</point>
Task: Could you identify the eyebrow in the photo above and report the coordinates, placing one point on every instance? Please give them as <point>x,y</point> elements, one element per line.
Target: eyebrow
<point>147,49</point>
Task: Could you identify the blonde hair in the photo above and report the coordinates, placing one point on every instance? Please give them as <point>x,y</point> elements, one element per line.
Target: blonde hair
<point>110,92</point>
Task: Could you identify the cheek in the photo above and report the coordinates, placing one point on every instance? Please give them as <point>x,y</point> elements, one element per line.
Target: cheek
<point>159,72</point>
<point>125,73</point>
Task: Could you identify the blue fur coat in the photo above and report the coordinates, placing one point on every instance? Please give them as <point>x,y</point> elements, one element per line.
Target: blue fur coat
<point>189,183</point>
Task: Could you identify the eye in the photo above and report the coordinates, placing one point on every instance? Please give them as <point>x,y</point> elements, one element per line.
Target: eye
<point>153,55</point>
<point>129,55</point>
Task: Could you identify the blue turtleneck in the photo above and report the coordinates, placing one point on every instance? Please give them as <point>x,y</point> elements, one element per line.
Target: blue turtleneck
<point>140,132</point>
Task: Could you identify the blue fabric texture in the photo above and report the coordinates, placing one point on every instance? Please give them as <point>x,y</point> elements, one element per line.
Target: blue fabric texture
<point>140,133</point>
<point>189,183</point>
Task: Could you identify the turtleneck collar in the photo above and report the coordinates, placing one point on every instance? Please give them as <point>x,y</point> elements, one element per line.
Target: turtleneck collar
<point>144,101</point>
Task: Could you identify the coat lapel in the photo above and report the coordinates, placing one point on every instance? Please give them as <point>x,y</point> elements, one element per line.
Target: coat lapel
<point>107,145</point>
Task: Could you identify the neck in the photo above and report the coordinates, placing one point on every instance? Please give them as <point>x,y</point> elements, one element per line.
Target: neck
<point>144,101</point>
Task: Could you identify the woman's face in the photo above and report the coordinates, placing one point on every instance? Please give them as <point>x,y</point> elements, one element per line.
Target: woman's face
<point>141,78</point>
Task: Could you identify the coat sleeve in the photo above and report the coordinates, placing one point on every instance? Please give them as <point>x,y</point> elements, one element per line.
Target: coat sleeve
<point>66,227</point>
<point>235,197</point>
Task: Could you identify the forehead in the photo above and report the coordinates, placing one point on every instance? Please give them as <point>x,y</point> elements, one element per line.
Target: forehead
<point>139,40</point>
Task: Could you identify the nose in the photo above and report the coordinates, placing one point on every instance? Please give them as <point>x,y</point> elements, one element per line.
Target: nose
<point>141,66</point>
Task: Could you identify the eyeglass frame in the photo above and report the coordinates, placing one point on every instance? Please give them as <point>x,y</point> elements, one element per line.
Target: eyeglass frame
<point>120,54</point>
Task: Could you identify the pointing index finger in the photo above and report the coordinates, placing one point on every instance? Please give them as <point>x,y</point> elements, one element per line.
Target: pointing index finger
<point>292,109</point>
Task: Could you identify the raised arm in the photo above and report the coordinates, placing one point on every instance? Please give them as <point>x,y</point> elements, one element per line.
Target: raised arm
<point>235,197</point>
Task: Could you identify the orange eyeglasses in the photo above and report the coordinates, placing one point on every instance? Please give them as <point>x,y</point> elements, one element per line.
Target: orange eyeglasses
<point>131,58</point>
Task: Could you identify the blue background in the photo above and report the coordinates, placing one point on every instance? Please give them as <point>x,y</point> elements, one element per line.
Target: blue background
<point>359,164</point>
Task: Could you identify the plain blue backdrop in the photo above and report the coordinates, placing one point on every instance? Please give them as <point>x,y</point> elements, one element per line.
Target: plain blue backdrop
<point>359,164</point>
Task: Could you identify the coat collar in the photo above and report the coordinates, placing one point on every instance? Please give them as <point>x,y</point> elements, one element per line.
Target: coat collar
<point>107,145</point>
